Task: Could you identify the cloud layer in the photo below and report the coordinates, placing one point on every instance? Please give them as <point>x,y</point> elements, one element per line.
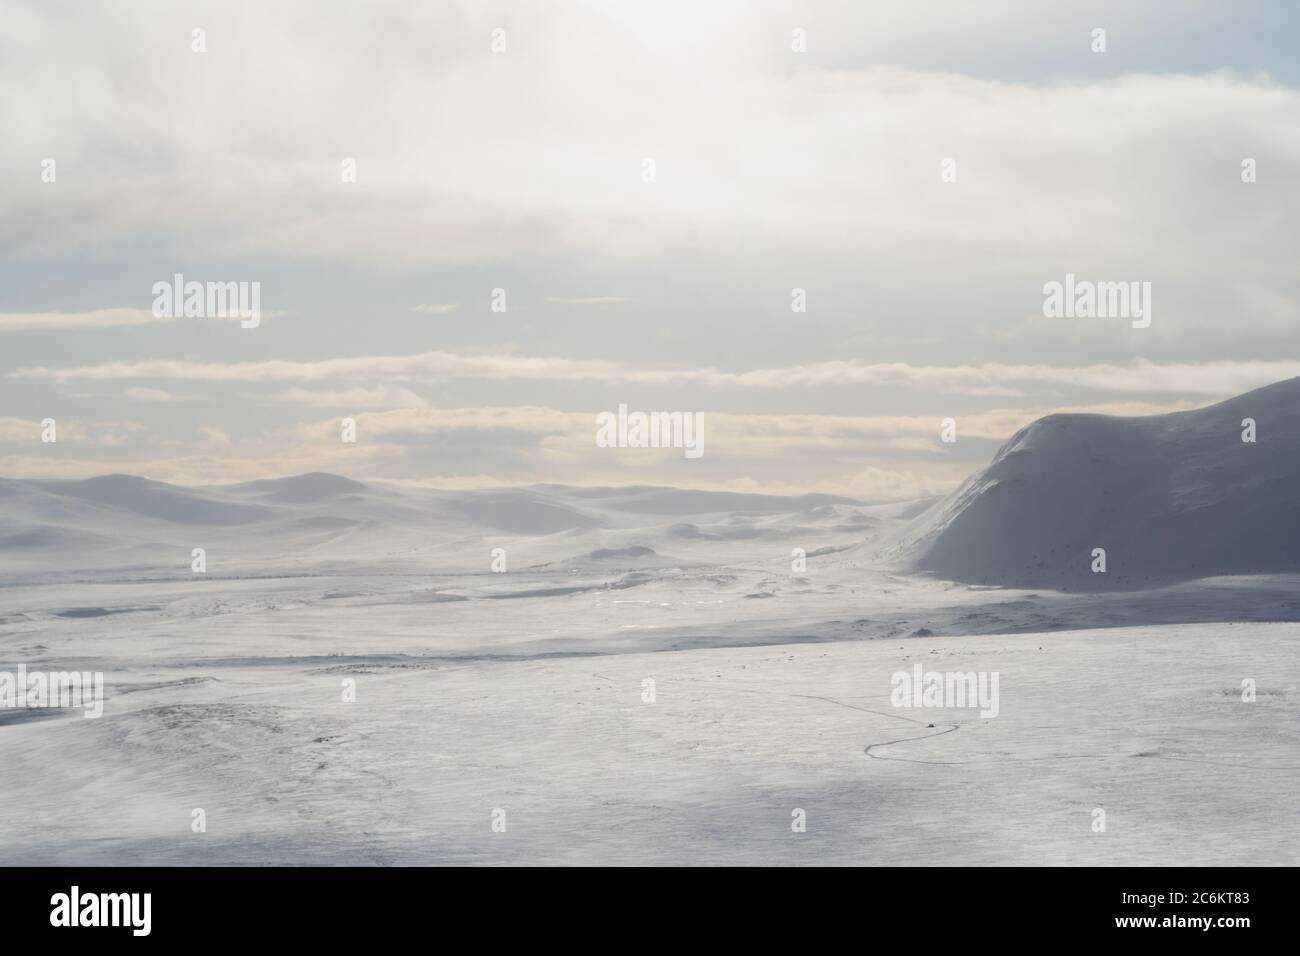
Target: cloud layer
<point>653,185</point>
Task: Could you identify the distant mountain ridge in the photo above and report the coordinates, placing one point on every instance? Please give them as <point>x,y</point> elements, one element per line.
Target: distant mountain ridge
<point>321,521</point>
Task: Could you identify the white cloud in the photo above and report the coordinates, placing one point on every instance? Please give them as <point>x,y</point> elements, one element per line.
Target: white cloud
<point>140,394</point>
<point>68,431</point>
<point>92,319</point>
<point>1218,378</point>
<point>378,397</point>
<point>213,436</point>
<point>820,171</point>
<point>101,319</point>
<point>775,453</point>
<point>752,147</point>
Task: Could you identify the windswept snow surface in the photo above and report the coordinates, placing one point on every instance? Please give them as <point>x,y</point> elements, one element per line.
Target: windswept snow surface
<point>527,691</point>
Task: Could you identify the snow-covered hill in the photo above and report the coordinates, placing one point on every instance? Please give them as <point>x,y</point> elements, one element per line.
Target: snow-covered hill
<point>1168,497</point>
<point>320,522</point>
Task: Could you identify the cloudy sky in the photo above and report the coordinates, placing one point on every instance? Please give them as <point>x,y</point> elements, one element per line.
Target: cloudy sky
<point>522,169</point>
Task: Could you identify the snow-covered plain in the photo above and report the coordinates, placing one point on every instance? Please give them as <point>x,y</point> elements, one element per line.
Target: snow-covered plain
<point>523,690</point>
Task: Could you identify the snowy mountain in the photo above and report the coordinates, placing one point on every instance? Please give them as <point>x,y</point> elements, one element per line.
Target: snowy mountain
<point>1168,497</point>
